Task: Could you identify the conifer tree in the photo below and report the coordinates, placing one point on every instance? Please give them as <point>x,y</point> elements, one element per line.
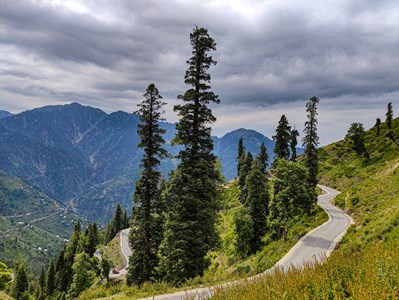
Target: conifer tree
<point>125,220</point>
<point>83,274</point>
<point>41,286</point>
<point>92,239</point>
<point>240,155</point>
<point>61,270</point>
<point>146,235</point>
<point>377,124</point>
<point>262,158</point>
<point>20,284</point>
<point>355,136</point>
<point>257,201</point>
<point>282,139</point>
<point>244,231</point>
<point>389,115</point>
<point>50,282</point>
<point>293,142</point>
<point>310,142</point>
<point>190,225</point>
<point>246,168</point>
<point>105,266</point>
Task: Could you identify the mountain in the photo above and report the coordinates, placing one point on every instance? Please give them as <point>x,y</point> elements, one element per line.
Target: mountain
<point>88,160</point>
<point>4,114</point>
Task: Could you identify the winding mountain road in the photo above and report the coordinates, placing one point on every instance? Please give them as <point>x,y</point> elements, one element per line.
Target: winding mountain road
<point>315,246</point>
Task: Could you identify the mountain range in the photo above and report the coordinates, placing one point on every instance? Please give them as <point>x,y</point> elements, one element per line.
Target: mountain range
<point>88,160</point>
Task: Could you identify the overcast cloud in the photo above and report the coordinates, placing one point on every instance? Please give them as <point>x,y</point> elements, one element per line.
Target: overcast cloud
<point>272,57</point>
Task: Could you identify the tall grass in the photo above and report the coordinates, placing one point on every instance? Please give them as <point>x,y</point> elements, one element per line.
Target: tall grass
<point>371,273</point>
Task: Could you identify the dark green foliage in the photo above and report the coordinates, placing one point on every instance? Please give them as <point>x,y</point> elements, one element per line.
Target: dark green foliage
<point>355,136</point>
<point>389,115</point>
<point>262,158</point>
<point>40,292</point>
<point>62,271</point>
<point>310,142</point>
<point>257,202</point>
<point>5,276</point>
<point>146,232</point>
<point>190,224</point>
<point>83,274</point>
<point>244,231</point>
<point>50,281</point>
<point>282,139</point>
<point>293,142</point>
<point>377,124</point>
<point>240,155</point>
<point>292,196</point>
<point>20,284</point>
<point>92,237</point>
<point>246,167</point>
<point>105,266</point>
<point>126,223</point>
<point>115,225</point>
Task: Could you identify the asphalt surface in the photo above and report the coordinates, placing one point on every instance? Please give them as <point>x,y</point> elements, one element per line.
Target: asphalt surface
<point>124,242</point>
<point>317,245</point>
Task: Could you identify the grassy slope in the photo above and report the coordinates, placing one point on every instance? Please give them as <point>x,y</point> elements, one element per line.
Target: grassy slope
<point>224,263</point>
<point>20,235</point>
<point>366,265</point>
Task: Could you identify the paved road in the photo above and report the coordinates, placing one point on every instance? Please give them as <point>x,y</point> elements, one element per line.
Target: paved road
<point>124,241</point>
<point>314,246</point>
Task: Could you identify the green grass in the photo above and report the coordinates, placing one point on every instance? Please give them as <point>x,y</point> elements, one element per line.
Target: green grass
<point>366,265</point>
<point>113,252</point>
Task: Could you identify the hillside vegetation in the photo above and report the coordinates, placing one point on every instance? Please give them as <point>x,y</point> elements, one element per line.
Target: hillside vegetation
<point>33,226</point>
<point>366,264</point>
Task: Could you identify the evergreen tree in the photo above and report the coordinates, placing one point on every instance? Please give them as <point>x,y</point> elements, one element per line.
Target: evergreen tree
<point>83,274</point>
<point>50,282</point>
<point>41,285</point>
<point>115,225</point>
<point>389,115</point>
<point>125,220</point>
<point>145,235</point>
<point>92,239</point>
<point>244,231</point>
<point>262,158</point>
<point>246,168</point>
<point>355,136</point>
<point>190,225</point>
<point>20,284</point>
<point>310,142</point>
<point>293,142</point>
<point>257,201</point>
<point>61,268</point>
<point>240,155</point>
<point>292,196</point>
<point>377,124</point>
<point>105,266</point>
<point>282,139</point>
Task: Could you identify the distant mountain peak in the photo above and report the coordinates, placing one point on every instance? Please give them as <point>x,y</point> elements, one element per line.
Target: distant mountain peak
<point>5,114</point>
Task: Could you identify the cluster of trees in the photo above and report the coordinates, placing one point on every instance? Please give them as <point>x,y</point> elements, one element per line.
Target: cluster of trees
<point>293,184</point>
<point>356,133</point>
<point>174,222</point>
<point>119,221</point>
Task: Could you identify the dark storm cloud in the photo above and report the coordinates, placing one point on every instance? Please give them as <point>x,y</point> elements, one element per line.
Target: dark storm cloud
<point>268,52</point>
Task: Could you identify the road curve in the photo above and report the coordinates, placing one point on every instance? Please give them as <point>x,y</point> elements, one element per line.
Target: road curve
<point>314,246</point>
<point>126,251</point>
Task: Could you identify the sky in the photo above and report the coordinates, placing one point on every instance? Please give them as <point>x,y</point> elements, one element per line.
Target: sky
<point>272,57</point>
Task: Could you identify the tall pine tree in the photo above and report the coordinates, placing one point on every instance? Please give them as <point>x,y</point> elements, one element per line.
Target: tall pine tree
<point>50,282</point>
<point>240,155</point>
<point>190,226</point>
<point>310,142</point>
<point>377,124</point>
<point>282,139</point>
<point>389,115</point>
<point>262,158</point>
<point>245,169</point>
<point>146,232</point>
<point>293,142</point>
<point>20,285</point>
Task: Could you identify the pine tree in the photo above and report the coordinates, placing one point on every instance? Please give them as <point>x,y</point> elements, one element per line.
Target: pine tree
<point>105,266</point>
<point>389,115</point>
<point>246,168</point>
<point>377,124</point>
<point>83,274</point>
<point>61,270</point>
<point>262,158</point>
<point>125,220</point>
<point>115,225</point>
<point>92,237</point>
<point>310,142</point>
<point>257,201</point>
<point>282,139</point>
<point>145,235</point>
<point>41,286</point>
<point>292,196</point>
<point>50,281</point>
<point>293,142</point>
<point>240,155</point>
<point>20,284</point>
<point>244,231</point>
<point>190,225</point>
<point>355,136</point>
